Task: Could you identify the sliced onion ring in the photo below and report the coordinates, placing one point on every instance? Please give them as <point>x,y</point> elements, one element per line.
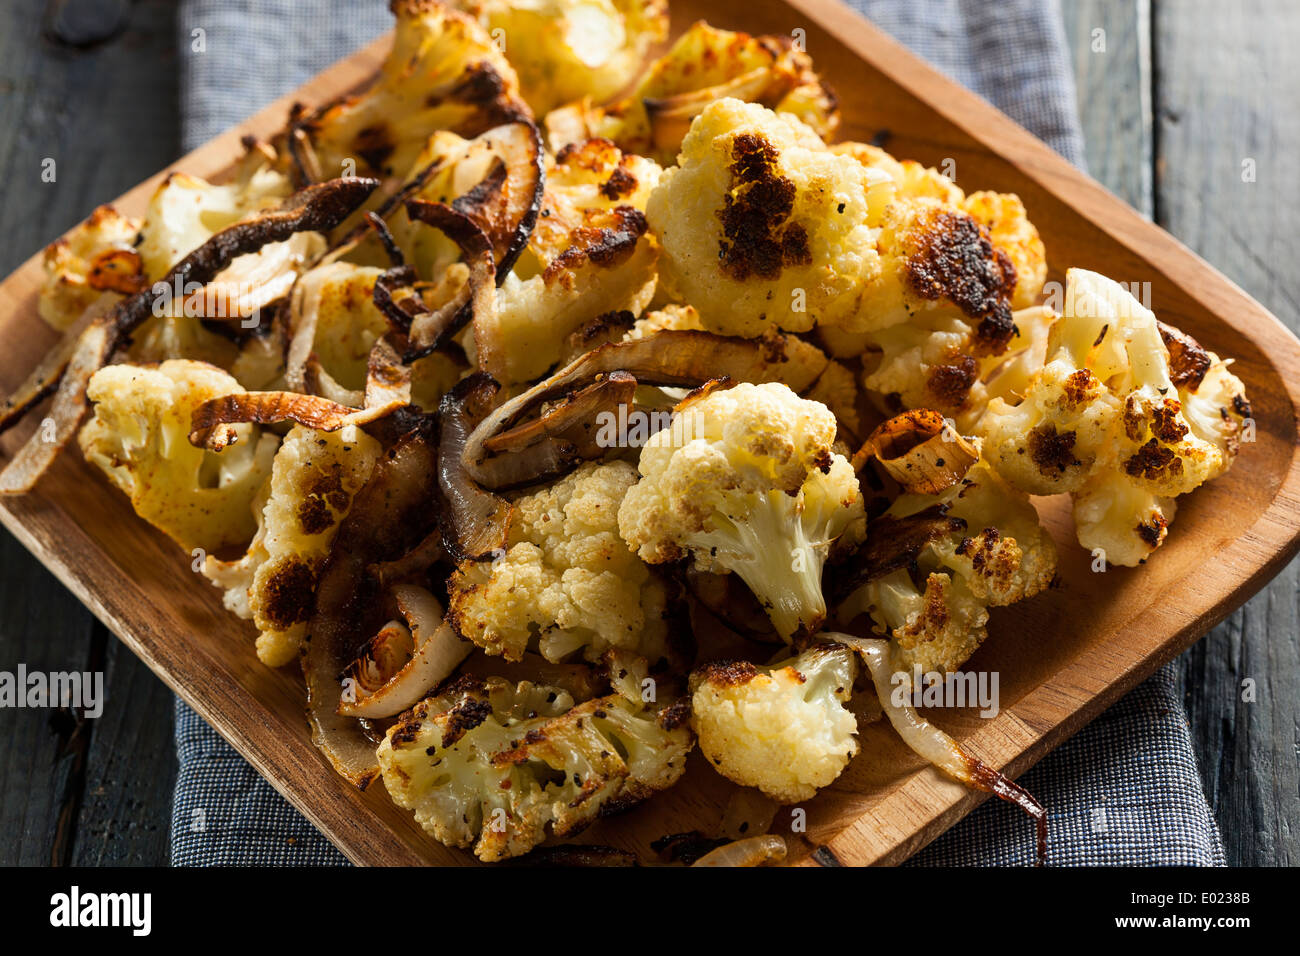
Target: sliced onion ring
<point>477,522</point>
<point>389,515</point>
<point>431,329</point>
<point>928,741</point>
<point>388,379</point>
<point>666,358</point>
<point>545,447</point>
<point>751,851</point>
<point>268,408</point>
<point>314,209</point>
<point>436,652</point>
<point>922,451</point>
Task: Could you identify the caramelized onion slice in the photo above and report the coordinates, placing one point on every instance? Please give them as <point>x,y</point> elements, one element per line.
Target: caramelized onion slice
<point>388,379</point>
<point>314,209</point>
<point>268,408</point>
<point>928,741</point>
<point>389,515</point>
<point>666,358</point>
<point>922,451</point>
<point>477,522</point>
<point>430,329</point>
<point>751,851</point>
<point>892,543</point>
<point>571,432</point>
<point>94,348</point>
<point>383,687</point>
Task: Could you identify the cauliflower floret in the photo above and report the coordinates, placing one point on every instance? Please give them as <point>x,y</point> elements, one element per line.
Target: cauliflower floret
<point>782,728</point>
<point>940,361</point>
<point>566,579</point>
<point>1126,415</point>
<point>186,212</point>
<point>590,255</point>
<point>705,64</point>
<point>96,259</point>
<point>935,258</point>
<point>444,72</point>
<point>313,478</point>
<point>566,49</point>
<point>139,436</point>
<point>497,766</point>
<point>982,547</point>
<point>761,226</point>
<point>1009,228</point>
<point>744,480</point>
<point>333,325</point>
<point>913,180</point>
<point>1001,214</point>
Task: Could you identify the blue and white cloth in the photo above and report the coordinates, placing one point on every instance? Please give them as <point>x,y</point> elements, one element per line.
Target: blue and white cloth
<point>1124,790</point>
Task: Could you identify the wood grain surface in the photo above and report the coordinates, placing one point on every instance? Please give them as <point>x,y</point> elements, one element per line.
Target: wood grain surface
<point>904,815</point>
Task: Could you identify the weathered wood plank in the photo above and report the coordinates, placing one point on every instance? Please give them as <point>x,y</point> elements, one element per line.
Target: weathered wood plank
<point>1227,157</point>
<point>1110,44</point>
<point>93,791</point>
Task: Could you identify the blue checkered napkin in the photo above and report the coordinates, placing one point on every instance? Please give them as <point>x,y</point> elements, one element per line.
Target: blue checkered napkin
<point>1125,790</point>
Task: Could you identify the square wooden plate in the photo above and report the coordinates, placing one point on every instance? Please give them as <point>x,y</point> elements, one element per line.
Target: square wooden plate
<point>1062,657</point>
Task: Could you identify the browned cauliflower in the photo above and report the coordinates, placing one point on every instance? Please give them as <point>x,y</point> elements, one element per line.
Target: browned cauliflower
<point>783,728</point>
<point>499,766</point>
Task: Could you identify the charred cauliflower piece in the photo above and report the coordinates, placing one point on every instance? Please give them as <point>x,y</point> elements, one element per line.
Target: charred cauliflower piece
<point>313,478</point>
<point>566,49</point>
<point>500,767</point>
<point>1126,415</point>
<point>976,545</point>
<point>444,73</point>
<point>783,728</point>
<point>95,260</point>
<point>566,579</point>
<point>761,226</point>
<point>942,361</point>
<point>937,258</point>
<point>138,436</point>
<point>705,64</point>
<point>589,255</point>
<point>745,480</point>
<point>1002,215</point>
<point>186,212</point>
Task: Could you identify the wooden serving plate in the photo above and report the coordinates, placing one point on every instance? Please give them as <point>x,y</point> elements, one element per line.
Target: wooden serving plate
<point>1062,657</point>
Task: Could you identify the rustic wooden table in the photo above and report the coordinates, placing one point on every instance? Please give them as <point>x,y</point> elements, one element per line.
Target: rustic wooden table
<point>1178,98</point>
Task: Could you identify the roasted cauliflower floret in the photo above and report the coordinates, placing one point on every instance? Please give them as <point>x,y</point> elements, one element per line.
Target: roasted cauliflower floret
<point>977,545</point>
<point>313,478</point>
<point>1002,215</point>
<point>941,361</point>
<point>444,73</point>
<point>94,260</point>
<point>589,256</point>
<point>584,180</point>
<point>705,64</point>
<point>783,728</point>
<point>139,437</point>
<point>744,480</point>
<point>1126,415</point>
<point>566,49</point>
<point>186,212</point>
<point>566,579</point>
<point>499,766</point>
<point>761,226</point>
<point>936,258</point>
